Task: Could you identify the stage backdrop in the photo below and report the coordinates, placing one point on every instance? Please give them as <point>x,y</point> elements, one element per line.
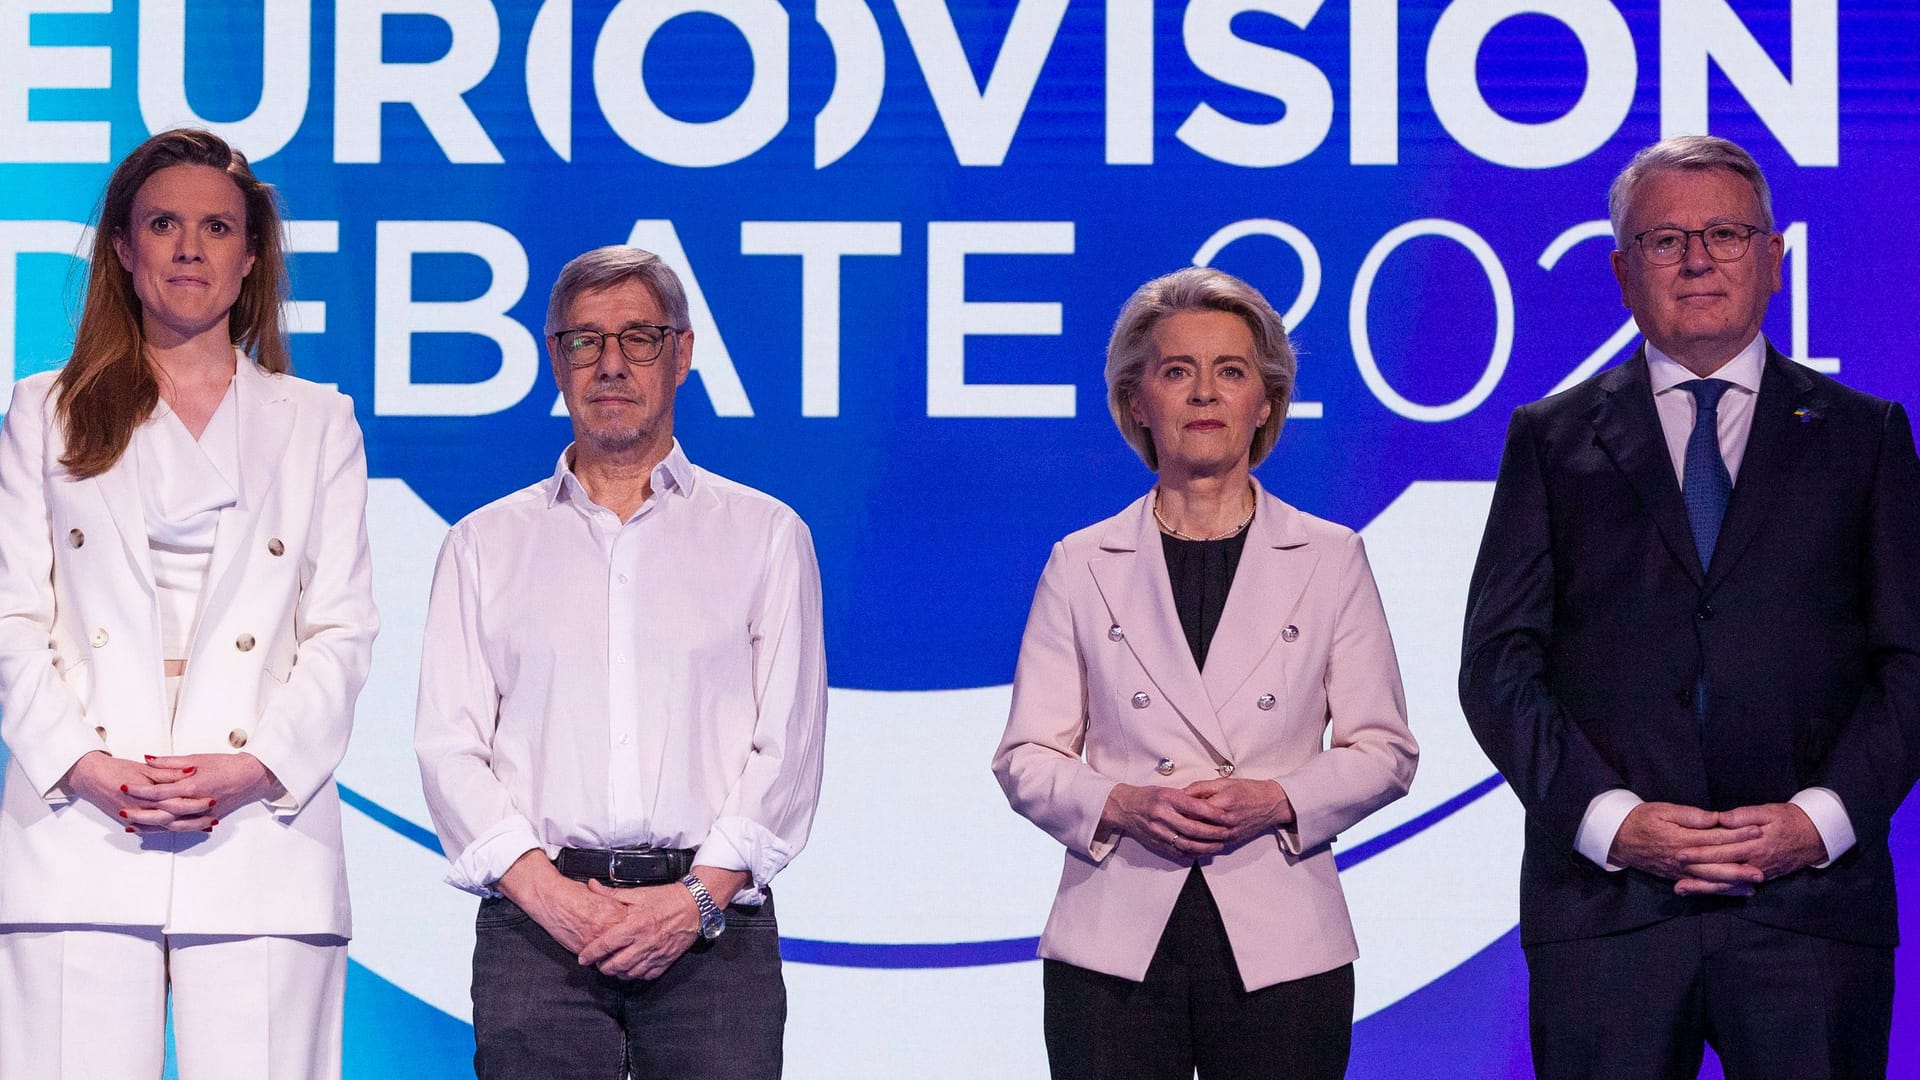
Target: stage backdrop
<point>906,227</point>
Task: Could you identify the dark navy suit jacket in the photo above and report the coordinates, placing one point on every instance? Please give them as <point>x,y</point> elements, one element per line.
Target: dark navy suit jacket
<point>1590,622</point>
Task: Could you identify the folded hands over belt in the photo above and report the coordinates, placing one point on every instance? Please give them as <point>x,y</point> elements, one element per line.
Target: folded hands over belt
<point>629,933</point>
<point>1201,819</point>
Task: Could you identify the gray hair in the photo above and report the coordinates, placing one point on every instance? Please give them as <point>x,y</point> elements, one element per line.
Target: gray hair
<point>1196,288</point>
<point>603,268</point>
<point>1693,153</point>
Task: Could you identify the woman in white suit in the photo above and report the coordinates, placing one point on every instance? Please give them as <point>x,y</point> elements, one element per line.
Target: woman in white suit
<point>186,617</point>
<point>1206,695</point>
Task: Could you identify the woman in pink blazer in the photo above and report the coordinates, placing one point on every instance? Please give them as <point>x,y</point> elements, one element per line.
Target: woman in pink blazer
<point>186,617</point>
<point>1206,695</point>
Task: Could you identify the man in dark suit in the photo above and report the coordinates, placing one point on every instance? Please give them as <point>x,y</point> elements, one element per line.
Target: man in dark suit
<point>1693,649</point>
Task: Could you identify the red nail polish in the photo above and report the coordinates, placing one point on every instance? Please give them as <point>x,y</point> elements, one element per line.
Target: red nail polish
<point>123,813</point>
<point>210,803</point>
<point>216,821</point>
<point>189,770</point>
<point>129,828</point>
<point>149,757</point>
<point>123,787</point>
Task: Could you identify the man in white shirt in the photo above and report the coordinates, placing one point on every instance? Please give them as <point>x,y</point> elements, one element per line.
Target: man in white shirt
<point>1693,649</point>
<point>622,698</point>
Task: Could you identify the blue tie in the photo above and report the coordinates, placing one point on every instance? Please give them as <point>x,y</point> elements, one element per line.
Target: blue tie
<point>1706,484</point>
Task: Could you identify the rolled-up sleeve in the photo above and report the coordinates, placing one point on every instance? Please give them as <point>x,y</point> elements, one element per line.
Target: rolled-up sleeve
<point>765,818</point>
<point>481,830</point>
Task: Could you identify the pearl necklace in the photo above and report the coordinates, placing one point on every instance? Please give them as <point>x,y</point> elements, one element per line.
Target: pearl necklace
<point>1178,535</point>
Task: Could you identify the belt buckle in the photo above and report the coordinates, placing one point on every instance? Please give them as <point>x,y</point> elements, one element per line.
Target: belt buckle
<point>613,863</point>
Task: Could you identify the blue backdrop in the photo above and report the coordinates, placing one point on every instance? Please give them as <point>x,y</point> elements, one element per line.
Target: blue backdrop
<point>908,225</point>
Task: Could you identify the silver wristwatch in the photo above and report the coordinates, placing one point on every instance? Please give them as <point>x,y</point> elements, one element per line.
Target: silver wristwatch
<point>713,919</point>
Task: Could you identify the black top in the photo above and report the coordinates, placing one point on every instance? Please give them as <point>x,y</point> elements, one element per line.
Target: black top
<point>1201,572</point>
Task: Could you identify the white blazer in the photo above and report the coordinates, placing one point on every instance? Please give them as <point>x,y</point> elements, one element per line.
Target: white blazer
<point>285,636</point>
<point>1301,687</point>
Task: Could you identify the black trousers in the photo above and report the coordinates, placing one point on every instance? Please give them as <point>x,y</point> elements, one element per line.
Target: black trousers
<point>1773,1004</point>
<point>1191,1012</point>
<point>720,1010</point>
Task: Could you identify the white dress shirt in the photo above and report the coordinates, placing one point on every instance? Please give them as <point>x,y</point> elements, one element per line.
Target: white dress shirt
<point>588,682</point>
<point>1677,408</point>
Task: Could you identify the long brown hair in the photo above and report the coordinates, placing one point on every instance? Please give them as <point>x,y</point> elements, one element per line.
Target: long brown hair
<point>108,387</point>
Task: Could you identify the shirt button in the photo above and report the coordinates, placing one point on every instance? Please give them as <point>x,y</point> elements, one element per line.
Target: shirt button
<point>76,538</point>
<point>1290,633</point>
<point>244,643</point>
<point>236,738</point>
<point>1141,700</point>
<point>1266,701</point>
<point>1114,633</point>
<point>623,740</point>
<point>1165,768</point>
<point>622,579</point>
<point>1225,770</point>
<point>276,548</point>
<point>619,659</point>
<point>99,639</point>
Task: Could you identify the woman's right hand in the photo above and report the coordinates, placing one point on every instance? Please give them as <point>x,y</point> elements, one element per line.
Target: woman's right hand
<point>1168,821</point>
<point>103,780</point>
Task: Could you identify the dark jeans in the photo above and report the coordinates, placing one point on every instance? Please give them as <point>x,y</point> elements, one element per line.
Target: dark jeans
<point>1774,1004</point>
<point>1191,1013</point>
<point>538,1014</point>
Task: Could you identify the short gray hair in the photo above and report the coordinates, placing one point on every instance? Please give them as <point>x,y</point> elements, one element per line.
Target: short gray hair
<point>1196,288</point>
<point>603,268</point>
<point>1693,153</point>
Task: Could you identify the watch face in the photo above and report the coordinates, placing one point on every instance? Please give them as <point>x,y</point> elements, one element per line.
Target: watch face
<point>711,928</point>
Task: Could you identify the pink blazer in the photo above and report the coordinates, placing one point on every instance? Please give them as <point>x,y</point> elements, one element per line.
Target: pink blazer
<point>1301,687</point>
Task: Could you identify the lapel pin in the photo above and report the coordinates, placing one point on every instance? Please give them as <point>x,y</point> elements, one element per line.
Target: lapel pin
<point>1805,416</point>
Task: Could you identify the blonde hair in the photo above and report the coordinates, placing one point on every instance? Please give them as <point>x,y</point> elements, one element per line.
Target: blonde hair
<point>1197,288</point>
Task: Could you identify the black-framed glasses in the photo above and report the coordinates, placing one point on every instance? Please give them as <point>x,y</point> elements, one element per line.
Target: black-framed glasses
<point>1725,242</point>
<point>640,344</point>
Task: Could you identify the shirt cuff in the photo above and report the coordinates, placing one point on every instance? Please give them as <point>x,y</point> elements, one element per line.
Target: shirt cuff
<point>1829,816</point>
<point>1601,824</point>
<point>491,855</point>
<point>738,843</point>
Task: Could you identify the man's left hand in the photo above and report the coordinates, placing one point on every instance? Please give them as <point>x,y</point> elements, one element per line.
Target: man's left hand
<point>1788,842</point>
<point>660,923</point>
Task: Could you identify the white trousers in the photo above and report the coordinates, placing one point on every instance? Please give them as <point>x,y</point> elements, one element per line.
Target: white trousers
<point>90,1003</point>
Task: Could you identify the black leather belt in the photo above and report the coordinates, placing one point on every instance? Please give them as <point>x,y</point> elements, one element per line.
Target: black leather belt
<point>626,866</point>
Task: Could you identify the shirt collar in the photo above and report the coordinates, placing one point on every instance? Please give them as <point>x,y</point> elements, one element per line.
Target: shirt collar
<point>1743,371</point>
<point>674,473</point>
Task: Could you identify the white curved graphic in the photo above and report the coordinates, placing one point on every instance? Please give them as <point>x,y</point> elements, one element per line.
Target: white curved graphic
<point>914,843</point>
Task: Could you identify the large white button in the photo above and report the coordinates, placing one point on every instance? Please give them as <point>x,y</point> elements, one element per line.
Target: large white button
<point>1266,701</point>
<point>276,548</point>
<point>236,738</point>
<point>76,538</point>
<point>244,643</point>
<point>99,638</point>
<point>1141,700</point>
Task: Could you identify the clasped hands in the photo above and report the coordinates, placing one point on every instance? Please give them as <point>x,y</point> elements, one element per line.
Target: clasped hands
<point>1201,819</point>
<point>632,933</point>
<point>1724,853</point>
<point>187,793</point>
